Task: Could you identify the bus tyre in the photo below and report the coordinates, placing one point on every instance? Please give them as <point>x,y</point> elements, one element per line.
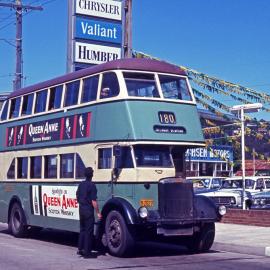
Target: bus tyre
<point>119,240</point>
<point>17,221</point>
<point>203,240</point>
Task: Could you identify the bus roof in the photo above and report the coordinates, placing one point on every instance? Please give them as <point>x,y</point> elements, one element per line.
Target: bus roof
<point>142,64</point>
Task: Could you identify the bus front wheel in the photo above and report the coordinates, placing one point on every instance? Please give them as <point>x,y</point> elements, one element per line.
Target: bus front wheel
<point>17,222</point>
<point>202,240</point>
<point>119,240</point>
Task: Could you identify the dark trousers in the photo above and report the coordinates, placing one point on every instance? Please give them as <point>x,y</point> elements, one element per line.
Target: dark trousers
<point>87,221</point>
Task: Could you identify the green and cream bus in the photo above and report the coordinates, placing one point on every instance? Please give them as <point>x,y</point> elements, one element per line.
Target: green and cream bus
<point>132,121</point>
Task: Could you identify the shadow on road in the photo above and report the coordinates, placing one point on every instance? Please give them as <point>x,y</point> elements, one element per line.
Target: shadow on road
<point>142,249</point>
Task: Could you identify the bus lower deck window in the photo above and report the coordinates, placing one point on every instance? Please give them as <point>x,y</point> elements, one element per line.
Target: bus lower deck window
<point>22,167</point>
<point>35,167</point>
<point>105,158</point>
<point>50,166</point>
<point>67,166</point>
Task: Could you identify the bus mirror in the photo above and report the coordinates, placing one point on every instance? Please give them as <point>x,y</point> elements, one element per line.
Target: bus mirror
<point>117,150</point>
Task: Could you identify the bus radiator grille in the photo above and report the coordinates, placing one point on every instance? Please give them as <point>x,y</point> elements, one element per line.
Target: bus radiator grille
<point>175,200</point>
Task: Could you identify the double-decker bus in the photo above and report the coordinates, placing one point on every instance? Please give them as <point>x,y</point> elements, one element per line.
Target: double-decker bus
<point>132,121</point>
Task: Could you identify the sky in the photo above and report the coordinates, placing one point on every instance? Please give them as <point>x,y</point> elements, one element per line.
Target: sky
<point>227,39</point>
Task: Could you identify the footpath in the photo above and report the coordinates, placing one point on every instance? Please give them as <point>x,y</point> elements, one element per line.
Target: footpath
<point>245,239</point>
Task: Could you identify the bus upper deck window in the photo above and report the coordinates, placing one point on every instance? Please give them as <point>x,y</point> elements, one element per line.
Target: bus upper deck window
<point>110,85</point>
<point>41,100</point>
<point>15,107</point>
<point>141,85</point>
<point>4,111</point>
<point>90,86</point>
<point>72,92</point>
<point>27,104</point>
<point>55,97</point>
<point>174,88</point>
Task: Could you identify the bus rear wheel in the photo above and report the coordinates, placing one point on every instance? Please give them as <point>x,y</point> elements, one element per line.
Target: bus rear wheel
<point>119,240</point>
<point>203,240</point>
<point>17,221</point>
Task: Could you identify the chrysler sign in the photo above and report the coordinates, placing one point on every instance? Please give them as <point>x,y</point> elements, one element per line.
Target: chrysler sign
<point>100,8</point>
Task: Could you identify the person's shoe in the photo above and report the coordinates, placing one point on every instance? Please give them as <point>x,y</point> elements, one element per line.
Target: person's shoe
<point>80,252</point>
<point>90,256</point>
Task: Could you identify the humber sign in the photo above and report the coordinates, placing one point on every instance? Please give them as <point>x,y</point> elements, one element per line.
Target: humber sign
<point>95,54</point>
<point>100,8</point>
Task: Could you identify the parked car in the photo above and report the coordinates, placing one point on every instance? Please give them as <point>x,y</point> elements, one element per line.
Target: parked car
<point>230,193</point>
<point>261,200</point>
<point>205,183</point>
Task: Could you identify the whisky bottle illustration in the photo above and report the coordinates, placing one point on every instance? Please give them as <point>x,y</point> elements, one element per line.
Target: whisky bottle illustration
<point>36,201</point>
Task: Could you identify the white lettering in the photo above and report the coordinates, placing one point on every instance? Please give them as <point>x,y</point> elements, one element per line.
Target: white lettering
<point>97,30</point>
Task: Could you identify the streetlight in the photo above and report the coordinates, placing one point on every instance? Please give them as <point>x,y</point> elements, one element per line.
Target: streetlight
<point>248,108</point>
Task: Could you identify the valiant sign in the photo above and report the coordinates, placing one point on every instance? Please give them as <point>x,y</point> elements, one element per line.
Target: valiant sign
<point>97,33</point>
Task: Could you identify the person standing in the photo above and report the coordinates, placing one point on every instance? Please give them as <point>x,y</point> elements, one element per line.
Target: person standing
<point>87,198</point>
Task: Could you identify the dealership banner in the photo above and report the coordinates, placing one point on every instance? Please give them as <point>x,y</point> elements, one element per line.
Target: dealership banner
<point>217,153</point>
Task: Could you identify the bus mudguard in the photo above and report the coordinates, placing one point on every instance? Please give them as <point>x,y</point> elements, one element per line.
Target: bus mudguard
<point>205,208</point>
<point>124,207</point>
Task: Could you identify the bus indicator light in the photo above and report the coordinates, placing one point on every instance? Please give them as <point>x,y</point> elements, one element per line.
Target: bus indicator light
<point>146,202</point>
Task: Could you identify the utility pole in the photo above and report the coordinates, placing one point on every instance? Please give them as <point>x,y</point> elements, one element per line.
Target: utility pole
<point>128,29</point>
<point>19,8</point>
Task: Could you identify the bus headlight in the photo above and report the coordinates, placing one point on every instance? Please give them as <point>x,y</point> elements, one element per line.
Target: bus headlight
<point>143,212</point>
<point>222,210</point>
<point>262,201</point>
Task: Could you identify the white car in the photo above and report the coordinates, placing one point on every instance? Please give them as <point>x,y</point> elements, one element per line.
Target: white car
<point>205,183</point>
<point>230,193</point>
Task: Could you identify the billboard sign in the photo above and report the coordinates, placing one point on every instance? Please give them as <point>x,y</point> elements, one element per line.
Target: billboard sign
<point>98,30</point>
<point>95,54</point>
<point>108,9</point>
<point>216,153</point>
<point>65,128</point>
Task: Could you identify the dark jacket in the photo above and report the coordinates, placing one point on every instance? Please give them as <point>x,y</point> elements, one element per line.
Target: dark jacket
<point>86,193</point>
